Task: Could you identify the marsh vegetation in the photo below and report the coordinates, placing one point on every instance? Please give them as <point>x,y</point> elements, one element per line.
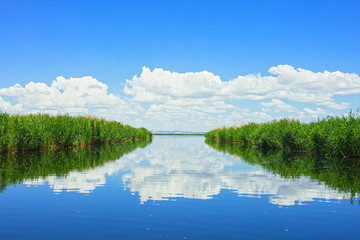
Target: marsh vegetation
<point>330,136</point>
<point>40,131</point>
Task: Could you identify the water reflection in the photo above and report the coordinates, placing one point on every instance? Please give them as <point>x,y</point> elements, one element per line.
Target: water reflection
<point>78,169</point>
<point>188,168</point>
<point>341,175</point>
<point>173,167</point>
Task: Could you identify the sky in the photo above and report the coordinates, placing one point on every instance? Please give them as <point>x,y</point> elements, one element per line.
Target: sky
<point>181,65</point>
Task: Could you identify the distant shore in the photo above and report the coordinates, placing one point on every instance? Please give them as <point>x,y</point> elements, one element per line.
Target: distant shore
<point>186,134</point>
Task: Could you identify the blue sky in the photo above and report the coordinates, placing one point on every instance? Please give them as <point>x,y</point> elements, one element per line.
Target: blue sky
<point>112,41</point>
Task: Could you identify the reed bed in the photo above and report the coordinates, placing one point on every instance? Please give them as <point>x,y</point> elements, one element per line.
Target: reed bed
<point>330,136</point>
<point>39,131</point>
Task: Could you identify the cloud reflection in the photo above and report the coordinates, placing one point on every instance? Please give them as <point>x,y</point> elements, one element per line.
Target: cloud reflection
<point>174,167</point>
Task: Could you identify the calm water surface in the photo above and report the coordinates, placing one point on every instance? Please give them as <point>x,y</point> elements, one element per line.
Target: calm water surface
<point>177,187</point>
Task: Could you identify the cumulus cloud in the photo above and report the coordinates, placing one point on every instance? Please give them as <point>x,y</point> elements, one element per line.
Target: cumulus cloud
<point>15,90</point>
<point>314,113</point>
<point>278,106</point>
<point>285,82</point>
<point>197,101</point>
<point>160,85</point>
<point>330,82</point>
<point>4,105</point>
<point>84,95</point>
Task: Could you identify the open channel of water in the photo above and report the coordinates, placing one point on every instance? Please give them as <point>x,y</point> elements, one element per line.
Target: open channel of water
<point>177,187</point>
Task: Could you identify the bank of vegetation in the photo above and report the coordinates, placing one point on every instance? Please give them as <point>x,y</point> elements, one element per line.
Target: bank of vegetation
<point>42,131</point>
<point>337,173</point>
<point>330,136</point>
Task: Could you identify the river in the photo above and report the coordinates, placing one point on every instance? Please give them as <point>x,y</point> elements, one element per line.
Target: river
<point>177,187</point>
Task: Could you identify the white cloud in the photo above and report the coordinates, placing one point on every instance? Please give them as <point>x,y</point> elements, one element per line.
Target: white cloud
<point>4,105</point>
<point>84,95</point>
<point>196,101</point>
<point>241,116</point>
<point>278,106</point>
<point>328,82</point>
<point>15,90</point>
<point>286,82</point>
<point>315,113</point>
<point>160,85</point>
<point>334,105</point>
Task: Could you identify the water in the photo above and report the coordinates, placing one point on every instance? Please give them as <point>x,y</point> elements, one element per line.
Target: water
<point>177,187</point>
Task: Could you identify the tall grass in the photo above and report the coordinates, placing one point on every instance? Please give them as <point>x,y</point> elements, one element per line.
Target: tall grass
<point>37,131</point>
<point>331,136</point>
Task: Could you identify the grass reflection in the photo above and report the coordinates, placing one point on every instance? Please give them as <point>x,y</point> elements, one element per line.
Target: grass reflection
<point>340,174</point>
<point>40,164</point>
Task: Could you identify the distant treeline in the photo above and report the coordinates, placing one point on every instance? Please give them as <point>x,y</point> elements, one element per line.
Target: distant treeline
<point>39,131</point>
<point>342,175</point>
<point>331,136</point>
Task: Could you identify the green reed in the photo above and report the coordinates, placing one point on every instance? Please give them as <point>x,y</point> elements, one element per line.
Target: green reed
<point>330,136</point>
<point>38,131</point>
